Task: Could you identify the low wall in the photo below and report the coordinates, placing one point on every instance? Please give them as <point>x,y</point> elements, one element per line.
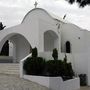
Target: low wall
<point>55,83</point>
<point>73,84</point>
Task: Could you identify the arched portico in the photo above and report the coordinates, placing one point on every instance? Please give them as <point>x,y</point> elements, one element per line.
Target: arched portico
<point>51,40</point>
<point>19,47</point>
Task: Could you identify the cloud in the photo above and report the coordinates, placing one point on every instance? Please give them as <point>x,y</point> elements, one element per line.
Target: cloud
<point>76,15</point>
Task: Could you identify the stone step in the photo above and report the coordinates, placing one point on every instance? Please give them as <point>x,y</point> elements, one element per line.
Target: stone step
<point>9,68</point>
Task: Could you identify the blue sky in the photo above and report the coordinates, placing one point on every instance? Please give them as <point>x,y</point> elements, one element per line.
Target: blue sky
<point>13,11</point>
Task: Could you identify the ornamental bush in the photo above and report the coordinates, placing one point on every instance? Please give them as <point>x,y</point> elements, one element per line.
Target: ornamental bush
<point>34,66</point>
<point>38,66</point>
<point>60,68</point>
<point>65,58</point>
<point>68,71</point>
<point>34,52</point>
<point>54,67</point>
<point>55,54</point>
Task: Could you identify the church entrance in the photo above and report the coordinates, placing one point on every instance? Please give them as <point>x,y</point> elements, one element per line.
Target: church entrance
<point>14,48</point>
<point>50,40</point>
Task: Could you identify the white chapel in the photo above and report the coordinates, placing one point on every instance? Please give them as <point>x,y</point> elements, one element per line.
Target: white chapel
<point>46,31</point>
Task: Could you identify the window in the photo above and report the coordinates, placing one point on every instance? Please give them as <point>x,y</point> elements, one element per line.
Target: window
<point>68,47</point>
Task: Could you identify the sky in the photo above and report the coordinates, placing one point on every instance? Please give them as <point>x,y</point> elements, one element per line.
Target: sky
<point>12,12</point>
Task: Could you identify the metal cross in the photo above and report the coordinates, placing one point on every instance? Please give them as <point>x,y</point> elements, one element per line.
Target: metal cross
<point>35,4</point>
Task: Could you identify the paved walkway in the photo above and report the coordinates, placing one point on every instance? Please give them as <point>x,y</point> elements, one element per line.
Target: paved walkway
<point>13,82</point>
<point>10,82</point>
<point>85,88</point>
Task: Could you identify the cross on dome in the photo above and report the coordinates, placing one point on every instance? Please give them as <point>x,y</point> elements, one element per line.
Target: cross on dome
<point>35,4</point>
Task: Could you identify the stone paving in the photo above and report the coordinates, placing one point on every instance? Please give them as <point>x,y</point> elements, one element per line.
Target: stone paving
<point>12,82</point>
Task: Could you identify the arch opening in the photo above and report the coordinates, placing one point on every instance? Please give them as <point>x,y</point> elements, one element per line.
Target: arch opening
<point>18,47</point>
<point>5,49</point>
<point>50,40</point>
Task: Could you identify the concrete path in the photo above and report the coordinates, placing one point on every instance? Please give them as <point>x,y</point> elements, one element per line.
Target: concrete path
<point>85,88</point>
<point>12,82</point>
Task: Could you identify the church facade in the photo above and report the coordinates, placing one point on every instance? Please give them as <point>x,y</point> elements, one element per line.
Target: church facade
<point>46,31</point>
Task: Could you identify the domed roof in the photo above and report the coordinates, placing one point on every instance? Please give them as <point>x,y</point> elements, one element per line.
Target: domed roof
<point>53,16</point>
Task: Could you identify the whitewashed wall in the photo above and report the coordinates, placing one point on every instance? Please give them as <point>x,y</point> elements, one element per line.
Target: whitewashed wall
<point>32,28</point>
<point>72,33</point>
<point>38,21</point>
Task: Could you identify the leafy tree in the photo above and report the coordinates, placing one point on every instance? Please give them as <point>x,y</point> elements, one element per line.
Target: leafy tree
<point>55,54</point>
<point>2,26</point>
<point>81,3</point>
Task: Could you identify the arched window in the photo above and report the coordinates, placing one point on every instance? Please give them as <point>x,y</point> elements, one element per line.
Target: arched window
<point>68,47</point>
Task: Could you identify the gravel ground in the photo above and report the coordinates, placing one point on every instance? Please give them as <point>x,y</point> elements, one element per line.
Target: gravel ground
<point>10,82</point>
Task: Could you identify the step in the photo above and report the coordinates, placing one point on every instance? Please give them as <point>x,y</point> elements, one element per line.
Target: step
<point>6,59</point>
<point>9,68</point>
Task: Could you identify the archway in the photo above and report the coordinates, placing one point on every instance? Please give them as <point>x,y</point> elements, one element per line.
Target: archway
<point>5,49</point>
<point>68,47</point>
<point>19,47</point>
<point>50,40</point>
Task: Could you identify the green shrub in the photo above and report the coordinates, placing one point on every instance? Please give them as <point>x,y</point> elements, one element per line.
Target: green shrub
<point>34,66</point>
<point>70,70</point>
<point>65,58</point>
<point>54,67</point>
<point>34,52</point>
<point>59,68</point>
<point>38,66</point>
<point>55,54</point>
